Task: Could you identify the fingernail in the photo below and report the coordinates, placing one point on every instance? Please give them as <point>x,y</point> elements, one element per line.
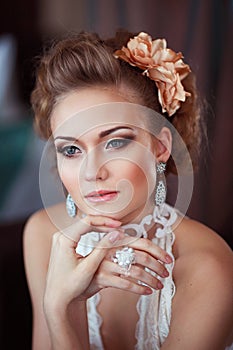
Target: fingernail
<point>159,285</point>
<point>168,259</point>
<point>113,236</point>
<point>115,223</point>
<point>148,291</point>
<point>166,274</point>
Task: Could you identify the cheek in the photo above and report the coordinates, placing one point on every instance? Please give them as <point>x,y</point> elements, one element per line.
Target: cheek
<point>68,173</point>
<point>136,175</point>
<point>141,177</point>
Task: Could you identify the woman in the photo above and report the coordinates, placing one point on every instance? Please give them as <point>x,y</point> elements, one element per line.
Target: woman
<point>116,267</point>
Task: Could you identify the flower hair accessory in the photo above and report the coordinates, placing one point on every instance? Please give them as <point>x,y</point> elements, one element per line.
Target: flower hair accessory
<point>160,64</point>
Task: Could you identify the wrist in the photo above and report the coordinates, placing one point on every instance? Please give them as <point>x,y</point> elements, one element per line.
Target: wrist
<point>68,329</point>
<point>59,310</point>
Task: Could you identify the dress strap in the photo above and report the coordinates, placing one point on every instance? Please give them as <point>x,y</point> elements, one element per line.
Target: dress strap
<point>94,323</point>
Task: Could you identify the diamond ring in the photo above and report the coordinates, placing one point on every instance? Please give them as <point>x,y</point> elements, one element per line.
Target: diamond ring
<point>125,258</point>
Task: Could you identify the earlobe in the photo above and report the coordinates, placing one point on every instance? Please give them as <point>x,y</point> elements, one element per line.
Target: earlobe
<point>163,145</point>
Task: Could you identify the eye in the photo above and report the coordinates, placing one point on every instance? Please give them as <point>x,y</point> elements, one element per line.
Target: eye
<point>117,143</point>
<point>69,151</point>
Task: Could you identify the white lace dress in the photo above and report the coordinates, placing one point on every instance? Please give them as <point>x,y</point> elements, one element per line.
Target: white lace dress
<point>154,311</point>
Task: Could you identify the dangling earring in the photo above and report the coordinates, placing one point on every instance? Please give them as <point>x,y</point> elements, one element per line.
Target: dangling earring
<point>70,206</point>
<point>160,193</point>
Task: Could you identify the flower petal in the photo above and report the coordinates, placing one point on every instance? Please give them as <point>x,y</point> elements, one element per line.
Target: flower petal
<point>160,64</point>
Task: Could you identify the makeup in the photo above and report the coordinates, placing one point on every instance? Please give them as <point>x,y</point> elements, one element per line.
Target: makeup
<point>101,196</point>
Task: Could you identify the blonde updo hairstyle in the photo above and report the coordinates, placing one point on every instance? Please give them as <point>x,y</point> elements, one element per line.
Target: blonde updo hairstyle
<point>84,60</point>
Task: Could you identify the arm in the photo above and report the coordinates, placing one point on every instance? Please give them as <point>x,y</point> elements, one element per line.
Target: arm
<point>68,331</point>
<point>38,237</point>
<point>36,258</point>
<point>62,325</point>
<point>202,314</point>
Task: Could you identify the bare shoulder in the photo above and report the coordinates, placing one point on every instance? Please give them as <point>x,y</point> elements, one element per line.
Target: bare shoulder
<point>42,224</point>
<point>197,243</point>
<point>37,241</point>
<point>202,255</point>
<point>203,275</point>
<point>40,228</point>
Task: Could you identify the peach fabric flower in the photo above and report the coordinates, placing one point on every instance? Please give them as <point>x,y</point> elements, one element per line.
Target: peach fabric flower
<point>160,64</point>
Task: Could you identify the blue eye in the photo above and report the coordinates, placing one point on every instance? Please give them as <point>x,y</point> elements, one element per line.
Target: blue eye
<point>69,151</point>
<point>117,143</point>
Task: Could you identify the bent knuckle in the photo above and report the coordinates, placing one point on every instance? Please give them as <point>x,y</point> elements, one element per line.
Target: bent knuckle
<point>100,275</point>
<point>152,280</point>
<point>101,278</point>
<point>146,243</point>
<point>145,259</point>
<point>138,272</point>
<point>128,285</point>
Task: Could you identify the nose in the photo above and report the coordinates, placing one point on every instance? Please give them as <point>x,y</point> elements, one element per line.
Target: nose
<point>94,167</point>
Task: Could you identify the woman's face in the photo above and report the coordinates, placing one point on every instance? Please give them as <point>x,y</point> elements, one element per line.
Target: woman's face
<point>105,156</point>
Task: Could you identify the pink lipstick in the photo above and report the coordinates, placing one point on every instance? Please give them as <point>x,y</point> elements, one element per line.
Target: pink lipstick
<point>101,196</point>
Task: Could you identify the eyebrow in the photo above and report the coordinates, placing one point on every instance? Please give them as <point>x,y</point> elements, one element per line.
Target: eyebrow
<point>101,134</point>
<point>110,131</point>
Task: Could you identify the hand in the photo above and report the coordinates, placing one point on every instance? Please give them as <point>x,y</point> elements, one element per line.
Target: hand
<point>90,223</point>
<point>69,275</point>
<point>147,255</point>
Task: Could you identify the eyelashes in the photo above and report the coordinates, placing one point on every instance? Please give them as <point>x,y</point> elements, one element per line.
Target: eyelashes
<point>72,151</point>
<point>69,151</point>
<point>118,143</point>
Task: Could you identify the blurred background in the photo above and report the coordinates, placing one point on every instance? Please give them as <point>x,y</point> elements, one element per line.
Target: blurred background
<point>202,30</point>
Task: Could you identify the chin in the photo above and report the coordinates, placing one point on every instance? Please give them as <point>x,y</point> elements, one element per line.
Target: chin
<point>113,214</point>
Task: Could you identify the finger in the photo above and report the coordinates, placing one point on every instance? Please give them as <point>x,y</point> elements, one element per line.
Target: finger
<point>135,274</point>
<point>61,239</point>
<point>83,225</point>
<point>102,222</point>
<point>143,244</point>
<point>150,262</point>
<point>75,231</point>
<point>124,284</point>
<point>100,251</point>
<point>144,259</point>
<point>139,274</point>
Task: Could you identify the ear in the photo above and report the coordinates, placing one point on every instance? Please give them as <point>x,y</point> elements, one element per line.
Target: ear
<point>163,145</point>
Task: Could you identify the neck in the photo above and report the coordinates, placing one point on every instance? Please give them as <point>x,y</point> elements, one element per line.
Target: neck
<point>138,214</point>
<point>141,224</point>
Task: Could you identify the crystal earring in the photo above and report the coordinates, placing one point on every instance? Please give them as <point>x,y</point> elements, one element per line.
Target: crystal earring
<point>70,206</point>
<point>160,193</point>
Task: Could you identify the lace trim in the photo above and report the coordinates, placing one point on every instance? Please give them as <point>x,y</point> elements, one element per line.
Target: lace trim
<point>94,323</point>
<point>164,215</point>
<point>154,310</point>
<point>167,294</point>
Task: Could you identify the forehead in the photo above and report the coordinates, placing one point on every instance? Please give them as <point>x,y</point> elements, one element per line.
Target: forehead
<point>93,109</point>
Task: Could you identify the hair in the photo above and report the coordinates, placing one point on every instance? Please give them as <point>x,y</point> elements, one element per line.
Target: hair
<point>85,60</point>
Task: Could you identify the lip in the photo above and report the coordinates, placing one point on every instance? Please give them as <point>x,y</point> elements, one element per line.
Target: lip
<point>101,196</point>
